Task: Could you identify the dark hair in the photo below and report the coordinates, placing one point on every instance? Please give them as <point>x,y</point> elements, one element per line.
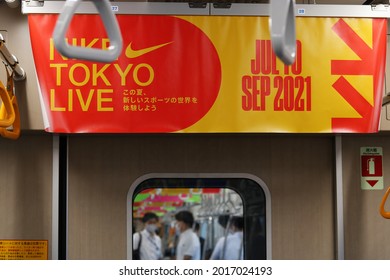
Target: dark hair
<point>148,216</point>
<point>185,217</point>
<point>196,226</point>
<point>223,220</point>
<point>238,222</point>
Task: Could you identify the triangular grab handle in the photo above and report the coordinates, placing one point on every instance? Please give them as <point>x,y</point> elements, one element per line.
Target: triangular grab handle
<point>282,28</point>
<point>9,110</point>
<point>382,206</point>
<point>12,132</point>
<point>93,54</point>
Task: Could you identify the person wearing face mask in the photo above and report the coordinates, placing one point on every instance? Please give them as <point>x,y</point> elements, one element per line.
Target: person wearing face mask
<point>230,246</point>
<point>148,242</point>
<point>188,246</point>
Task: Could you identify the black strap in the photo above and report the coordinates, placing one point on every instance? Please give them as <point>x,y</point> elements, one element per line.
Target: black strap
<point>140,240</point>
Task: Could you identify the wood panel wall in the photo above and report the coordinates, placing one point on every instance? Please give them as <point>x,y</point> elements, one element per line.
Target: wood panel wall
<point>298,170</point>
<point>26,188</point>
<point>366,231</point>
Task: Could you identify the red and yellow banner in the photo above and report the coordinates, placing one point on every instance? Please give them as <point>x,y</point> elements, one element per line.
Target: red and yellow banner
<point>212,74</point>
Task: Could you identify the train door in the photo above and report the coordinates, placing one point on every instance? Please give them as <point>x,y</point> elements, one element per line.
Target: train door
<point>215,200</point>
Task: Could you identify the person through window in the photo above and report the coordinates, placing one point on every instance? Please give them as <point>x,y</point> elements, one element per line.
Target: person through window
<point>148,242</point>
<point>188,246</point>
<point>230,247</point>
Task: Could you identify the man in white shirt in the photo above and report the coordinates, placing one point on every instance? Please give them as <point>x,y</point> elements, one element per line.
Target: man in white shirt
<point>231,246</point>
<point>150,242</point>
<point>188,247</point>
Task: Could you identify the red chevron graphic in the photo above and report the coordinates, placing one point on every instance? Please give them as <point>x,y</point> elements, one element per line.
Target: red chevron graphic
<point>371,62</point>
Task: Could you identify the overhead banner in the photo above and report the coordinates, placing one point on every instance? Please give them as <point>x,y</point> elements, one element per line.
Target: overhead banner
<point>212,74</point>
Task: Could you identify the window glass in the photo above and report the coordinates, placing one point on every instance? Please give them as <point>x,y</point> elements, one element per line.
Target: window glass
<point>225,210</point>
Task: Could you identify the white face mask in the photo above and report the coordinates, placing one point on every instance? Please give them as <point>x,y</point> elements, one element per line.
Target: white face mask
<point>151,228</point>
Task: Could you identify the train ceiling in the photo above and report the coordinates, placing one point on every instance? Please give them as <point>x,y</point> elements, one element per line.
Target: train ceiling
<point>337,2</point>
<point>342,2</point>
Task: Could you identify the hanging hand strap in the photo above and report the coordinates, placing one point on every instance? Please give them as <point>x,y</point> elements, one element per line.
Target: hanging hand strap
<point>93,54</point>
<point>9,111</point>
<point>14,131</point>
<point>140,240</point>
<point>282,25</point>
<point>382,206</point>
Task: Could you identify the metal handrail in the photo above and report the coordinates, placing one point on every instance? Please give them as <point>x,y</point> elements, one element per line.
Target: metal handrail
<point>226,207</point>
<point>93,54</point>
<point>11,61</point>
<point>282,28</point>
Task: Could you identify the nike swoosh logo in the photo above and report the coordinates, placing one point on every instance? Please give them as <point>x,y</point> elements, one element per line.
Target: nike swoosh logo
<point>131,53</point>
